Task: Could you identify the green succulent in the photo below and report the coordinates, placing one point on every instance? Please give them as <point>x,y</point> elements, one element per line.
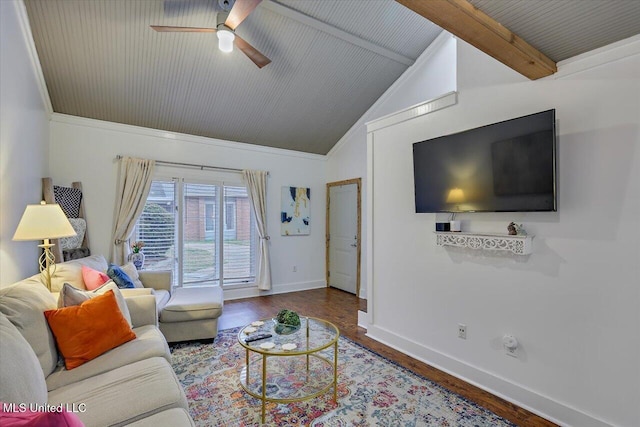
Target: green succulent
<point>288,317</point>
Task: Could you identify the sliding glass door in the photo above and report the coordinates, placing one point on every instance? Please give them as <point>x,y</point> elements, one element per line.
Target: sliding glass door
<point>203,231</point>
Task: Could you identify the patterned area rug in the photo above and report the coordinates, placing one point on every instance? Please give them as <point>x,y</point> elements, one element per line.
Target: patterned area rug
<point>372,391</point>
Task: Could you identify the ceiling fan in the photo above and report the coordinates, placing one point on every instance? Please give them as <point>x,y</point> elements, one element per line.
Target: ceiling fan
<point>225,29</point>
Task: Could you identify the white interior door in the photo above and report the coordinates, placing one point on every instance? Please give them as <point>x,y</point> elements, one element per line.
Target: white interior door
<point>343,237</point>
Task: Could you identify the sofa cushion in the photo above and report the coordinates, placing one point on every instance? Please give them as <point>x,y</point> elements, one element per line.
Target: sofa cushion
<point>70,296</point>
<point>93,279</point>
<point>149,343</point>
<point>84,332</point>
<point>188,304</point>
<point>71,272</point>
<point>162,298</point>
<point>124,395</point>
<point>131,271</point>
<point>21,376</point>
<point>23,303</point>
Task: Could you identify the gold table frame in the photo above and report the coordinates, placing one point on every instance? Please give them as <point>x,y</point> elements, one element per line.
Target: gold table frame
<point>278,352</point>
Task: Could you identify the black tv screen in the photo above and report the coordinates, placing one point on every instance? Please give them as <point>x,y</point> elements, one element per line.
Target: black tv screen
<point>503,167</point>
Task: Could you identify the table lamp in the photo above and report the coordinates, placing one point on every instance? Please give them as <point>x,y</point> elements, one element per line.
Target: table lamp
<point>44,222</point>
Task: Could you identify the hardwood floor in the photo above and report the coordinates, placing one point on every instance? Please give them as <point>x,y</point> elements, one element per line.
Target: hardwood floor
<point>341,308</point>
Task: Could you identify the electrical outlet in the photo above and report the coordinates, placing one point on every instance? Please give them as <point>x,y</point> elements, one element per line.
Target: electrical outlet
<point>462,331</point>
<point>510,344</point>
<point>295,268</point>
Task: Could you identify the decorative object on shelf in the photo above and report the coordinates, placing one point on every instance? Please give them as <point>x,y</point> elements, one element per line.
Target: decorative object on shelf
<point>137,256</point>
<point>286,322</point>
<point>519,245</point>
<point>295,211</point>
<point>44,222</point>
<point>516,229</point>
<point>443,226</point>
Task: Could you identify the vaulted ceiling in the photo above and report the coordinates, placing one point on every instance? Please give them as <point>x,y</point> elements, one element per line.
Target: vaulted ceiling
<point>331,60</point>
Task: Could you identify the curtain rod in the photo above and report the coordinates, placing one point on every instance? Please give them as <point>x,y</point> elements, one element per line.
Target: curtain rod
<point>191,165</point>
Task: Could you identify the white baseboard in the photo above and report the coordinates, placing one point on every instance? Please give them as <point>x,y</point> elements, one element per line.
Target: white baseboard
<point>283,288</point>
<point>543,406</point>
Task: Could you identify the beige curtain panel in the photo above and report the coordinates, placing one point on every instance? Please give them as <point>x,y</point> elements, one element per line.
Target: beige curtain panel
<point>134,183</point>
<point>257,185</point>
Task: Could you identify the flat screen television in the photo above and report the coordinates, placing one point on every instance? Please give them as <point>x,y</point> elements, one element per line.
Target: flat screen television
<point>508,166</point>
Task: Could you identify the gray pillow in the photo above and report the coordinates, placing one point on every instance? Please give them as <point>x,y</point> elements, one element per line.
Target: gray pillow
<point>21,377</point>
<point>24,304</point>
<point>70,296</point>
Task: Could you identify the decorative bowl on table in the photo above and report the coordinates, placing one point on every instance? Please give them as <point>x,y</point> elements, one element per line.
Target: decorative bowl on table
<point>286,322</point>
<point>283,328</point>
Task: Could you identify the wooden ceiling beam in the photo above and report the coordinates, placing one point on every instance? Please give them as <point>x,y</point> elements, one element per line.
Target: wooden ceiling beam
<point>464,20</point>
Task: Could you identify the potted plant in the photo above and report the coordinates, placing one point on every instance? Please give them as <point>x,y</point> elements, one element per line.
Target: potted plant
<point>286,322</point>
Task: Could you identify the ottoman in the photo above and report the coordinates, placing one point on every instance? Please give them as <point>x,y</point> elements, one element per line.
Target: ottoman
<point>192,314</point>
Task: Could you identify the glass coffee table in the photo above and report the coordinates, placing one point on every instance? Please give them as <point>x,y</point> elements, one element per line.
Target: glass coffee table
<point>290,368</point>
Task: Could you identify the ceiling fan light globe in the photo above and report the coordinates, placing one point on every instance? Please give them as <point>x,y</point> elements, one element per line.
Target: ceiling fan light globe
<point>225,40</point>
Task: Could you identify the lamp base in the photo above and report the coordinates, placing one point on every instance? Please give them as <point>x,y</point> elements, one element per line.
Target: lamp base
<point>47,262</point>
<point>455,225</point>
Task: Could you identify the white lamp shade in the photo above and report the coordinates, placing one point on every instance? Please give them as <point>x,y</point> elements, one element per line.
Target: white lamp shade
<point>225,40</point>
<point>43,221</point>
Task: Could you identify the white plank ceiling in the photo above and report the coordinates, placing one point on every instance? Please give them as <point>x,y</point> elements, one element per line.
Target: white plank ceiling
<point>331,60</point>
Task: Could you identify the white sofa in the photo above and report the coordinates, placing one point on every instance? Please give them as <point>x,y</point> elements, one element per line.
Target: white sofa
<point>184,314</point>
<point>132,384</point>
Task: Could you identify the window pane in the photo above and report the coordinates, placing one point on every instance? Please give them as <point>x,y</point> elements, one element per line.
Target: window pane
<point>209,218</point>
<point>200,229</point>
<point>156,227</point>
<point>239,237</point>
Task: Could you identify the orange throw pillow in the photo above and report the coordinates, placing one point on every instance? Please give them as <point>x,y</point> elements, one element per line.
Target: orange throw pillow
<point>84,332</point>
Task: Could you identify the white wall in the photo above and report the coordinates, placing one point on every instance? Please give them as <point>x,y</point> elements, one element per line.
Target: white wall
<point>574,304</point>
<point>24,135</point>
<point>85,150</point>
<point>433,74</point>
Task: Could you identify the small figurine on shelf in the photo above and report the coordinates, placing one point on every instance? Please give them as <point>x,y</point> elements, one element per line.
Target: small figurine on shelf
<point>515,229</point>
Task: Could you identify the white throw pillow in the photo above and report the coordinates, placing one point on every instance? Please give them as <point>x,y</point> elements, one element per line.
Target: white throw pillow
<point>132,272</point>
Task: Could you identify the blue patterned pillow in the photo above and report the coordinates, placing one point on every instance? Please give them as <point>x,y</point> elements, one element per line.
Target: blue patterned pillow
<point>121,278</point>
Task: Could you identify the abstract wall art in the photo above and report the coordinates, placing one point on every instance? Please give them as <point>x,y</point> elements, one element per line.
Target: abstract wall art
<point>295,212</point>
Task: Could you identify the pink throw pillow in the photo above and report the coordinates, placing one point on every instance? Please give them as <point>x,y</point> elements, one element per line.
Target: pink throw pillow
<point>22,416</point>
<point>93,279</point>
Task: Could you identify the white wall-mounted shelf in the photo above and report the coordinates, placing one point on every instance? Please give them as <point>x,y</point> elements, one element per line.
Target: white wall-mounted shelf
<point>518,244</point>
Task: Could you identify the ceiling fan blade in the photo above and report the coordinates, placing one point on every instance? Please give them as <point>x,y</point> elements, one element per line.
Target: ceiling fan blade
<point>165,29</point>
<point>259,59</point>
<point>240,10</point>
